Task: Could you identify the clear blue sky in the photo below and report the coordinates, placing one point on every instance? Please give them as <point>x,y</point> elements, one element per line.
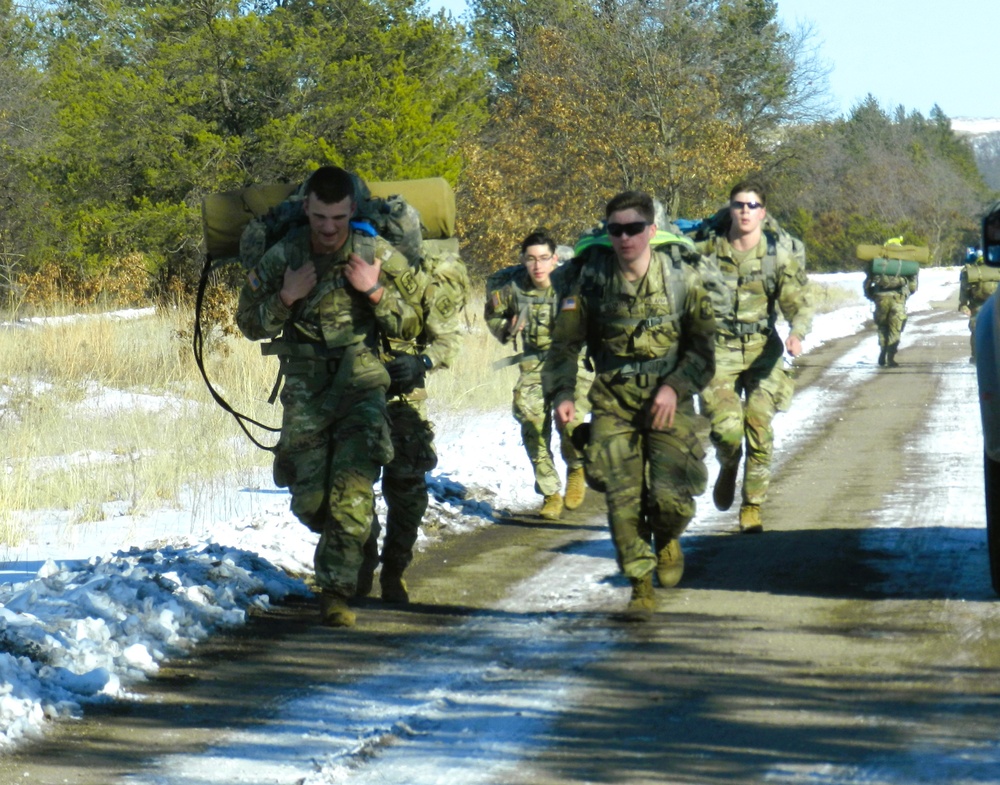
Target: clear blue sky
<point>908,52</point>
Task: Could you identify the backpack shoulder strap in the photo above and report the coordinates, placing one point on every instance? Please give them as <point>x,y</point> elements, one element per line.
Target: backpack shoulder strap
<point>673,275</point>
<point>364,235</point>
<point>769,264</point>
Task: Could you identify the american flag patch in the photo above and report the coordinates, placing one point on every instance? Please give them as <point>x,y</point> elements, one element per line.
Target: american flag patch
<point>568,304</point>
<point>253,279</point>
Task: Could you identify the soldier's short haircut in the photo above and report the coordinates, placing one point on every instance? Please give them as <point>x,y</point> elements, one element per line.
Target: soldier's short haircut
<point>639,201</point>
<point>538,237</point>
<point>748,186</point>
<point>330,184</point>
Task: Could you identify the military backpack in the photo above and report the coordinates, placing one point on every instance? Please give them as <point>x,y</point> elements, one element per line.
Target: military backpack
<point>416,216</point>
<point>722,288</point>
<point>676,252</point>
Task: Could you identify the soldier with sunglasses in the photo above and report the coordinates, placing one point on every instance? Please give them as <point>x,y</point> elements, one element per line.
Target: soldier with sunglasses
<point>763,271</point>
<point>648,327</point>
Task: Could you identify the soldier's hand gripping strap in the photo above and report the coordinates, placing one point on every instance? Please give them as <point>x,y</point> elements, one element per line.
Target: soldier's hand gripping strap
<point>406,372</point>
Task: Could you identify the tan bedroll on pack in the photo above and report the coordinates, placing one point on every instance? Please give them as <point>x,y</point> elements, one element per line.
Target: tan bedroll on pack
<point>981,273</point>
<point>904,253</point>
<point>225,215</point>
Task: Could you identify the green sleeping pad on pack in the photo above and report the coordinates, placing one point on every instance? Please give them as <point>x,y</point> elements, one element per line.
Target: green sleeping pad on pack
<point>895,267</point>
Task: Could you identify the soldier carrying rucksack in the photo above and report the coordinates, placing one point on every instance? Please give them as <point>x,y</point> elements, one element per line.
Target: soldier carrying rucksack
<point>647,326</point>
<point>244,225</point>
<point>329,305</point>
<point>890,280</point>
<point>976,284</point>
<point>762,270</point>
<point>444,292</point>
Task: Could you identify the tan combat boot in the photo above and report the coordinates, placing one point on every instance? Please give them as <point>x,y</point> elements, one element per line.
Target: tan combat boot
<point>333,611</point>
<point>670,564</point>
<point>393,587</point>
<point>576,488</point>
<point>552,507</point>
<point>750,519</point>
<point>642,603</point>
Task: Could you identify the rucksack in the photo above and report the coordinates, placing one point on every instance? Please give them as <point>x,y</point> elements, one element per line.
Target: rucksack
<point>523,304</point>
<point>892,266</point>
<point>504,277</point>
<point>244,224</point>
<point>981,275</point>
<point>677,251</point>
<point>722,295</point>
<point>676,247</point>
<point>240,226</point>
<point>719,222</point>
<point>445,270</point>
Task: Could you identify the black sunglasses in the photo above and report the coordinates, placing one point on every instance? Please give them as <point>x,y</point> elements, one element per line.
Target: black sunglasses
<point>749,205</point>
<point>629,229</point>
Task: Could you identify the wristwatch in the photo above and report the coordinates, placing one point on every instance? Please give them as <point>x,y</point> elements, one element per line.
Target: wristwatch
<point>428,364</point>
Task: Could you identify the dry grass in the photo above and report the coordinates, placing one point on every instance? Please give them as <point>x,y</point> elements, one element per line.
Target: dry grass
<point>103,416</point>
<point>827,297</point>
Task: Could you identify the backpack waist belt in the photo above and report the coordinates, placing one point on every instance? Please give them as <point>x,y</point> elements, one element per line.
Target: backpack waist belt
<point>745,330</point>
<point>625,367</point>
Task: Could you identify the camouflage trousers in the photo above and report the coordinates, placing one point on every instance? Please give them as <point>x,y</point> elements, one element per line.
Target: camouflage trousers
<point>404,483</point>
<point>750,386</point>
<point>890,317</point>
<point>649,479</point>
<point>328,456</point>
<point>534,413</point>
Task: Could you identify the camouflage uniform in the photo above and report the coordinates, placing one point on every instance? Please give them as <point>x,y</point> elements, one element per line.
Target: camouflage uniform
<point>889,293</point>
<point>335,427</point>
<point>750,384</point>
<point>639,336</point>
<point>531,408</point>
<point>976,284</point>
<point>404,482</point>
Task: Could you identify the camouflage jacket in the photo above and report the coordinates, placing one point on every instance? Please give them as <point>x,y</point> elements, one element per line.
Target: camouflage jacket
<point>638,335</point>
<point>334,315</point>
<point>443,283</point>
<point>772,276</point>
<point>536,307</point>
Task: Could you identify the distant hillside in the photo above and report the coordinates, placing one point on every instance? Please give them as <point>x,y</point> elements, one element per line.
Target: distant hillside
<point>984,135</point>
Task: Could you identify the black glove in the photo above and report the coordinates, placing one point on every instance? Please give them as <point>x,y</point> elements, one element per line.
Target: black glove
<point>406,372</point>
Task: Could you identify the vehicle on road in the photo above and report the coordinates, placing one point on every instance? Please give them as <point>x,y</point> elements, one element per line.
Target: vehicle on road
<point>988,375</point>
